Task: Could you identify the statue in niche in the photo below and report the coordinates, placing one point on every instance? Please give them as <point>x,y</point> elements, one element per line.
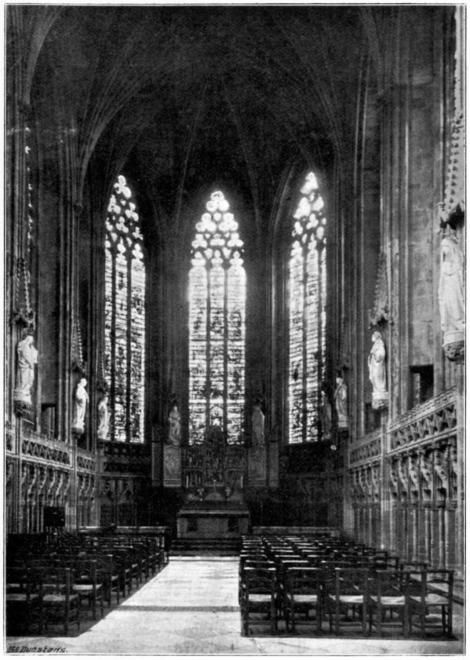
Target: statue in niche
<point>27,358</point>
<point>326,412</point>
<point>174,425</point>
<point>257,425</point>
<point>80,403</point>
<point>451,290</point>
<point>377,373</point>
<point>103,418</point>
<point>341,402</point>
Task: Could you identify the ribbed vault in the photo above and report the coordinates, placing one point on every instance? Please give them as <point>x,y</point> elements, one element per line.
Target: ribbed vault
<point>195,94</point>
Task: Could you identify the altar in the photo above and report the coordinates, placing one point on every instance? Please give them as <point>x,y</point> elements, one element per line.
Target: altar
<point>205,520</point>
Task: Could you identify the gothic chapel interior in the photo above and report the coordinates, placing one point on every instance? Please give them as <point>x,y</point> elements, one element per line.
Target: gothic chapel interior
<point>234,244</point>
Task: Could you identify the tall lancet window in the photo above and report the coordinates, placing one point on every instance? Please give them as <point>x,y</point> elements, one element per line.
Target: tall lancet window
<point>124,316</point>
<point>216,325</point>
<point>307,313</point>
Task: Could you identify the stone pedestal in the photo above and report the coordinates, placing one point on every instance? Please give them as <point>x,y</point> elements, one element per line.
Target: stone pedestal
<point>273,455</point>
<point>171,466</point>
<point>257,466</point>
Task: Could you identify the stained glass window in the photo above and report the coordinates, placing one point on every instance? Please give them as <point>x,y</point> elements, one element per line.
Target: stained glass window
<point>307,313</point>
<point>216,325</point>
<point>124,316</point>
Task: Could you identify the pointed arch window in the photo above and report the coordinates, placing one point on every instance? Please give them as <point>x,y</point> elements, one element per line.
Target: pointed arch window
<point>307,312</point>
<point>124,316</point>
<point>217,284</point>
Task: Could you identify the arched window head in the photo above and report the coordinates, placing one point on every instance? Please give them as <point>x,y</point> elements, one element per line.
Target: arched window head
<point>307,313</point>
<point>124,316</point>
<point>216,325</point>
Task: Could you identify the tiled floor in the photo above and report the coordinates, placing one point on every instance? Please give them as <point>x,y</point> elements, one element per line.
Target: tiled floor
<point>191,608</point>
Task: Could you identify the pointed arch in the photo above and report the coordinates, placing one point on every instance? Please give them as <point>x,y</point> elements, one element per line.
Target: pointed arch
<point>307,312</point>
<point>217,291</point>
<point>124,316</point>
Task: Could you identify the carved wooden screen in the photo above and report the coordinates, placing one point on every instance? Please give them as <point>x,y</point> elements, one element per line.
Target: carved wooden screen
<point>307,313</point>
<point>216,325</point>
<point>124,316</point>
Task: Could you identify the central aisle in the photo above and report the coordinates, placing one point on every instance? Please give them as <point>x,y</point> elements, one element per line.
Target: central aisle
<point>191,608</point>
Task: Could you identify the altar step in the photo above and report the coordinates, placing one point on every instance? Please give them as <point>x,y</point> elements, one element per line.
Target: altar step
<point>206,547</point>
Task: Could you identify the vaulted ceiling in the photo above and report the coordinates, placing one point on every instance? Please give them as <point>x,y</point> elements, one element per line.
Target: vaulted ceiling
<point>187,95</point>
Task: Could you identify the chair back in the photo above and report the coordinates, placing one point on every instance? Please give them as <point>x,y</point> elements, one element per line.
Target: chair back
<point>389,582</point>
<point>352,581</point>
<point>302,580</point>
<point>260,580</point>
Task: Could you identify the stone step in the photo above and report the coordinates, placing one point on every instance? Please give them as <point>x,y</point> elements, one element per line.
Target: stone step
<point>205,546</point>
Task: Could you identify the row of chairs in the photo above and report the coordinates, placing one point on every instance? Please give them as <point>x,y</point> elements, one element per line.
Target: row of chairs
<point>284,588</point>
<point>71,578</point>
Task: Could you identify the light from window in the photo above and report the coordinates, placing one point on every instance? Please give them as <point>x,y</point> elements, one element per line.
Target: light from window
<point>307,313</point>
<point>216,325</point>
<point>124,316</point>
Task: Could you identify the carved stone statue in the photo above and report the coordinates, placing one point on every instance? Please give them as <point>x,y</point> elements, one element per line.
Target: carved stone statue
<point>341,403</point>
<point>451,292</point>
<point>27,358</point>
<point>377,372</point>
<point>174,426</point>
<point>80,403</point>
<point>257,425</point>
<point>326,414</point>
<point>103,418</point>
<point>413,469</point>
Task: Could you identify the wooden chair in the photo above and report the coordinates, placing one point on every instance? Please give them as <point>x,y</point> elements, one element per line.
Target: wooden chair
<point>156,557</point>
<point>414,569</point>
<point>108,574</point>
<point>250,563</point>
<point>302,596</point>
<point>347,601</point>
<point>59,604</point>
<point>388,601</point>
<point>22,600</point>
<point>429,596</point>
<point>122,563</point>
<point>258,598</point>
<point>87,585</point>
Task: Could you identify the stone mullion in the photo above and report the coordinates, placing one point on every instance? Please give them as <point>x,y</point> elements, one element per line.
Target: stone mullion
<point>128,343</point>
<point>112,357</point>
<point>208,346</point>
<point>384,503</point>
<point>420,537</point>
<point>434,545</point>
<point>442,535</point>
<point>434,549</point>
<point>225,353</point>
<point>427,534</point>
<point>413,531</point>
<point>399,528</point>
<point>304,343</point>
<point>459,458</point>
<point>450,536</point>
<point>392,542</point>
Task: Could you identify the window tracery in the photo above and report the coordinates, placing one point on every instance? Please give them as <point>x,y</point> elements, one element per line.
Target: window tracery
<point>217,284</point>
<point>307,313</point>
<point>124,315</point>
